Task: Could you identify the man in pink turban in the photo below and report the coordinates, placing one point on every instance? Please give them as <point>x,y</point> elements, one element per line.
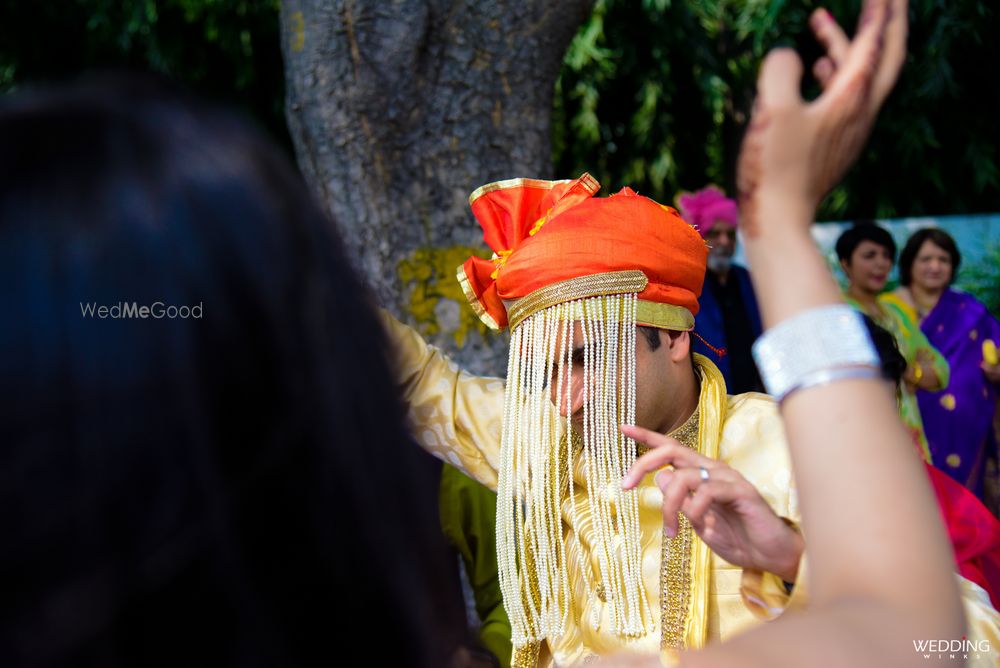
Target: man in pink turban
<point>729,317</point>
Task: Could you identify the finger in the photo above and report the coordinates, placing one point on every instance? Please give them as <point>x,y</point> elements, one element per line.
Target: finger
<point>779,79</point>
<point>665,451</point>
<point>748,170</point>
<point>872,12</point>
<point>707,528</point>
<point>646,436</point>
<point>857,70</point>
<point>823,70</point>
<point>709,493</point>
<point>662,478</point>
<point>668,453</point>
<point>829,33</point>
<point>681,484</point>
<point>893,51</point>
<point>671,454</point>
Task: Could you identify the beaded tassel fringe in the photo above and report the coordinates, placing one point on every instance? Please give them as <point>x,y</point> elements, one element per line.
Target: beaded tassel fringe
<point>536,471</point>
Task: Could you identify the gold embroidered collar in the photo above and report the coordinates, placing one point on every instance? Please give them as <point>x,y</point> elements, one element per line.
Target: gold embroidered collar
<point>686,434</point>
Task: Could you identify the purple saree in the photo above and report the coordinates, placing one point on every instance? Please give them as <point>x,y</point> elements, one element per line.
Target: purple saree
<point>958,420</point>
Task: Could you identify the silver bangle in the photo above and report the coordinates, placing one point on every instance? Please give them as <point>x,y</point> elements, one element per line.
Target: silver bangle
<point>815,347</point>
<point>827,376</point>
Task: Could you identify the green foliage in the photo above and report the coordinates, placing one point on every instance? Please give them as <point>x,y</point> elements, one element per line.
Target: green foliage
<point>227,50</point>
<point>653,93</point>
<point>982,279</point>
<point>656,94</point>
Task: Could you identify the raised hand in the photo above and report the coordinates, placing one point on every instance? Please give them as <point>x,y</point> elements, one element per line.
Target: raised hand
<point>800,150</point>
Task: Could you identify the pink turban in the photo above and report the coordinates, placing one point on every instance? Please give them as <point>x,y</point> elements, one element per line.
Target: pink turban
<point>705,208</point>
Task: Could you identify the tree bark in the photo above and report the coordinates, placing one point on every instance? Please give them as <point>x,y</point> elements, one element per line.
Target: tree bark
<point>398,110</point>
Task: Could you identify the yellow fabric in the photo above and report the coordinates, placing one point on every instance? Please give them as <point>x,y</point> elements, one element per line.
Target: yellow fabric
<point>903,305</point>
<point>982,622</point>
<point>454,415</point>
<point>457,417</point>
<point>765,594</point>
<point>712,409</point>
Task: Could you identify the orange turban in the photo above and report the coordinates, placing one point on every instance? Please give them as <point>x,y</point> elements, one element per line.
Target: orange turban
<point>546,233</point>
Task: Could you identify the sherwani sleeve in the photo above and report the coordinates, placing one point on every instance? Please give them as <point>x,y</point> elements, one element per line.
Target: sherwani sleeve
<point>454,415</point>
<point>754,444</point>
<point>766,596</point>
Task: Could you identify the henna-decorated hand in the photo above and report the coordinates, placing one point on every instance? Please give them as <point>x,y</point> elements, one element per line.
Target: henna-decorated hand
<point>798,150</point>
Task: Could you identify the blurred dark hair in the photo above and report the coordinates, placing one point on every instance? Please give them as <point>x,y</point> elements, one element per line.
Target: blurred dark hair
<point>939,238</point>
<point>892,361</point>
<point>863,230</point>
<point>235,490</point>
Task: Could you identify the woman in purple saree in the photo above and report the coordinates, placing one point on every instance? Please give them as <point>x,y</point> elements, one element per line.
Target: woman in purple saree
<point>958,420</point>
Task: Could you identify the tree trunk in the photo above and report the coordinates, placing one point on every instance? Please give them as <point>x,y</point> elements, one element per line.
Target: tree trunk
<point>398,110</point>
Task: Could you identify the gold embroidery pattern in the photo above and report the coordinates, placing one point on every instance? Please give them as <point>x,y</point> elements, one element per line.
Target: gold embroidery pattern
<point>525,656</point>
<point>675,585</point>
<point>650,314</point>
<point>664,316</point>
<point>474,302</point>
<point>522,183</point>
<point>686,434</point>
<point>593,285</point>
<point>675,562</point>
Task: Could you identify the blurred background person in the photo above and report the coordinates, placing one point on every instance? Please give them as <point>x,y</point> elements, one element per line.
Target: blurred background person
<point>958,420</point>
<point>232,488</point>
<point>972,529</point>
<point>728,317</point>
<point>468,511</point>
<point>867,253</point>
